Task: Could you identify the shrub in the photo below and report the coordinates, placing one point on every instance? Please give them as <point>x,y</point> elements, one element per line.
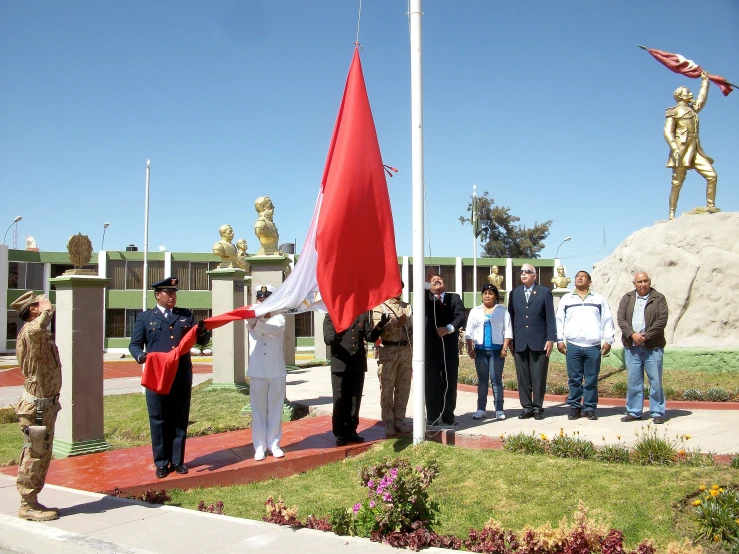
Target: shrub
<point>717,514</point>
<point>511,384</point>
<point>693,394</point>
<point>618,390</point>
<point>649,449</point>
<point>525,444</point>
<point>279,513</point>
<point>216,508</point>
<point>397,500</point>
<point>695,458</point>
<point>734,461</point>
<point>558,388</point>
<point>564,446</point>
<point>614,453</point>
<point>672,394</point>
<point>718,395</point>
<point>151,496</point>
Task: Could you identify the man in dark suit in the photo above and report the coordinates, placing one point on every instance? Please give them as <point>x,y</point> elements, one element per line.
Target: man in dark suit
<point>444,316</point>
<point>348,366</point>
<point>534,333</point>
<point>160,330</point>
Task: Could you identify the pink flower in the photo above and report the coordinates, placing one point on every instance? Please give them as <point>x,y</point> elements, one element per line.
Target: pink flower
<point>356,507</point>
<point>370,483</point>
<point>372,503</point>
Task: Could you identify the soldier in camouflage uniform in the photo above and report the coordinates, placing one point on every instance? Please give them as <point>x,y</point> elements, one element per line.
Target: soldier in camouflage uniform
<point>38,358</point>
<point>394,363</point>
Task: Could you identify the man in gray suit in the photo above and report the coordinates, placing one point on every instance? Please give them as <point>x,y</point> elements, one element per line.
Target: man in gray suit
<point>531,307</point>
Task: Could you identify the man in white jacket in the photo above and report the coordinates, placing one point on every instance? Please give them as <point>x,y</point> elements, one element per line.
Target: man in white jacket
<point>585,332</point>
<point>266,374</point>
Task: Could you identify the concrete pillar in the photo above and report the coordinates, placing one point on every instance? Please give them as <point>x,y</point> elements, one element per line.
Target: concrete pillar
<point>320,351</point>
<point>3,298</point>
<point>79,338</point>
<point>271,270</point>
<point>458,288</point>
<point>229,345</point>
<point>510,283</point>
<point>557,294</point>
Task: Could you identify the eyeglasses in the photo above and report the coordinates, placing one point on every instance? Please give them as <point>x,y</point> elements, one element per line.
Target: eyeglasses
<point>526,271</point>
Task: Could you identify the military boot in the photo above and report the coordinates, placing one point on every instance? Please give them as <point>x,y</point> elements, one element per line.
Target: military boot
<point>403,427</point>
<point>389,429</point>
<point>33,511</point>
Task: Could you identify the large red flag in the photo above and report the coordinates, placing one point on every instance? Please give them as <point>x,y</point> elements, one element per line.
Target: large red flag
<point>357,261</point>
<point>680,64</point>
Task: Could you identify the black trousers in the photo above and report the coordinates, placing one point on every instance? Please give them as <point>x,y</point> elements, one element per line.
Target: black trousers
<point>347,389</point>
<point>531,372</point>
<point>168,418</point>
<point>441,386</point>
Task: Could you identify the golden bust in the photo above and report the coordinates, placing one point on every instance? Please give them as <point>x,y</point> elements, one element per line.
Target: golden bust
<point>494,278</point>
<point>560,281</point>
<point>231,256</point>
<point>265,227</point>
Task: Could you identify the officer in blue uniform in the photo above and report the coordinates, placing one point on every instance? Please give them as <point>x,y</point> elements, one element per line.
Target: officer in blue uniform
<point>160,330</point>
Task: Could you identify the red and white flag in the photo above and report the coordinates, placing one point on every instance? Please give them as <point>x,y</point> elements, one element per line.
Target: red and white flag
<point>684,66</point>
<point>348,264</point>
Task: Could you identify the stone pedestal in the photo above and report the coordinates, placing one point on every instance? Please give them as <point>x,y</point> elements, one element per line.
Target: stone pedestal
<point>557,294</point>
<point>272,270</point>
<point>229,352</point>
<point>320,351</point>
<point>79,338</point>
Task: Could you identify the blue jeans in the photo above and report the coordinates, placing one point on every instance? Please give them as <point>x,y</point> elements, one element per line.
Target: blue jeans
<point>489,366</point>
<point>638,360</point>
<point>583,362</point>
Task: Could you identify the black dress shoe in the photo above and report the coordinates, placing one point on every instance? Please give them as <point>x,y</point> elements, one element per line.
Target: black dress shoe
<point>526,414</point>
<point>162,472</point>
<point>180,468</point>
<point>590,414</point>
<point>628,417</point>
<point>574,414</point>
<point>538,416</point>
<point>341,441</point>
<point>355,438</point>
<point>658,420</point>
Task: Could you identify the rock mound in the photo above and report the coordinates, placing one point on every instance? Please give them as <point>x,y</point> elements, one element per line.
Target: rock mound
<point>694,261</point>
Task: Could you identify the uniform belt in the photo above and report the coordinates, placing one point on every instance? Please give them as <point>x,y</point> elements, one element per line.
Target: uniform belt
<point>393,343</point>
<point>39,402</point>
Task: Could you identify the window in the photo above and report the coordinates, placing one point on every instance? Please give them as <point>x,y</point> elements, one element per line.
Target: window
<point>193,275</point>
<point>304,324</point>
<point>26,275</point>
<point>34,276</point>
<point>198,275</point>
<point>134,275</point>
<point>155,271</point>
<point>181,271</point>
<point>129,274</point>
<point>14,325</point>
<point>201,314</point>
<point>448,273</point>
<point>14,275</point>
<point>119,323</point>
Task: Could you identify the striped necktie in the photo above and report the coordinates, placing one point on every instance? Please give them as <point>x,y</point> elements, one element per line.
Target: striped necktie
<point>528,295</point>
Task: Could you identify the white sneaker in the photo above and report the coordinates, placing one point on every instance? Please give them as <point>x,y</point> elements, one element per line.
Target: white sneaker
<point>500,416</point>
<point>259,454</point>
<point>277,452</point>
<point>479,414</point>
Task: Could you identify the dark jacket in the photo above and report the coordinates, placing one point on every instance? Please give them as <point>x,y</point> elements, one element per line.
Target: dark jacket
<point>534,322</point>
<point>440,314</point>
<point>655,319</point>
<point>349,348</point>
<point>157,334</point>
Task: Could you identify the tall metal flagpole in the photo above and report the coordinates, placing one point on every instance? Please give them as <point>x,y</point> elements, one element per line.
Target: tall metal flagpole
<point>419,292</point>
<point>146,232</point>
<point>474,240</point>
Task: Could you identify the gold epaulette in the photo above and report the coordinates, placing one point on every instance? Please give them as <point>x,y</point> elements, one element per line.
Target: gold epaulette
<point>671,112</point>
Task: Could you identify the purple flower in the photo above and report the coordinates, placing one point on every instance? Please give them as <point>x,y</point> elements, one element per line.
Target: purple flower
<point>357,507</point>
<point>372,503</point>
<point>387,497</point>
<point>370,483</point>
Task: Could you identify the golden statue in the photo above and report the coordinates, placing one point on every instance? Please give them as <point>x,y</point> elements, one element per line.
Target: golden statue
<point>494,278</point>
<point>265,227</point>
<point>231,256</point>
<point>79,248</point>
<point>561,280</point>
<point>681,133</point>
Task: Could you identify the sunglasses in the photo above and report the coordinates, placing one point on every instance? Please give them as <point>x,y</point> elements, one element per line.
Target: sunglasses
<point>527,271</point>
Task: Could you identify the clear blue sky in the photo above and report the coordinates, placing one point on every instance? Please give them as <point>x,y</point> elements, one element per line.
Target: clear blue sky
<point>549,106</point>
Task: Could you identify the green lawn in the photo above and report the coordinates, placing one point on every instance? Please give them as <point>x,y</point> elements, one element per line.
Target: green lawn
<point>515,489</point>
<point>127,422</point>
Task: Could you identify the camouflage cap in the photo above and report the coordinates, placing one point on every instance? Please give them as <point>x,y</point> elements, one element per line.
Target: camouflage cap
<point>25,300</point>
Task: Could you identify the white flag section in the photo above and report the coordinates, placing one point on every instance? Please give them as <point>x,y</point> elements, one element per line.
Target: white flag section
<point>299,292</point>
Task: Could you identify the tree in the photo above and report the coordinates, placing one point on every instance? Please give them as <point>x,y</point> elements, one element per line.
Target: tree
<point>501,235</point>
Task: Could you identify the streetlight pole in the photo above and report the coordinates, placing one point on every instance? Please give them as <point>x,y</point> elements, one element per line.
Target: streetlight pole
<point>15,221</point>
<point>556,256</point>
<point>146,232</point>
<point>102,244</point>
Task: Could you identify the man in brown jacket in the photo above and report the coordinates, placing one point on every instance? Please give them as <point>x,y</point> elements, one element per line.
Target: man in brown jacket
<point>642,317</point>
